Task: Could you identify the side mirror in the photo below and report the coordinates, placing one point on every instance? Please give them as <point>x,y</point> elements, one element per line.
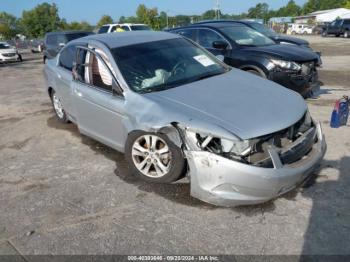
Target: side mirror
<point>222,45</point>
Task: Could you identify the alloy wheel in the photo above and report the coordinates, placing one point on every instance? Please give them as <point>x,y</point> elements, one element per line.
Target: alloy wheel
<point>57,106</point>
<point>151,156</point>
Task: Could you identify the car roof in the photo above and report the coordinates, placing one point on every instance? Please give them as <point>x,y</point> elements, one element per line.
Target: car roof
<point>114,40</point>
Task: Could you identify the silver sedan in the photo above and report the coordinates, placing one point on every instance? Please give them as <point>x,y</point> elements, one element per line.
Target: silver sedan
<point>175,110</point>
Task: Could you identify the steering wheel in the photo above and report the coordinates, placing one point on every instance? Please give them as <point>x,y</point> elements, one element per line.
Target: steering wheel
<point>179,68</point>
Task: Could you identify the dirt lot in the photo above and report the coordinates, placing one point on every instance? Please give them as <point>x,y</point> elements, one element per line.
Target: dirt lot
<point>63,193</point>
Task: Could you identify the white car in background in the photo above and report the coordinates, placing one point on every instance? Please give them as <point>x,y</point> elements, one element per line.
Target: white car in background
<point>299,29</point>
<point>110,28</point>
<point>9,53</point>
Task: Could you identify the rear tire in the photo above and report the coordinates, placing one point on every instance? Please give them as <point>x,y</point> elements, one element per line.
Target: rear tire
<point>346,34</point>
<point>154,157</point>
<point>58,108</point>
<point>324,34</point>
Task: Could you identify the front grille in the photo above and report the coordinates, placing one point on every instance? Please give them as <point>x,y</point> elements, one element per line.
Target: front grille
<point>284,141</point>
<point>9,54</point>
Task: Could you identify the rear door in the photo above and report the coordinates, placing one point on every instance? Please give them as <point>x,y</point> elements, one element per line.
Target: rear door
<point>97,99</point>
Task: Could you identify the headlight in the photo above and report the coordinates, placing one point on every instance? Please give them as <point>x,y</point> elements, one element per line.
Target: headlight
<point>217,145</point>
<point>286,65</point>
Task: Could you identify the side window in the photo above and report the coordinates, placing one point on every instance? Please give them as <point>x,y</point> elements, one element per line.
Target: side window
<point>113,28</point>
<point>338,22</point>
<point>189,33</point>
<point>103,29</point>
<point>66,57</point>
<point>346,22</point>
<point>126,28</point>
<point>207,37</point>
<point>93,71</point>
<point>51,40</point>
<point>61,39</point>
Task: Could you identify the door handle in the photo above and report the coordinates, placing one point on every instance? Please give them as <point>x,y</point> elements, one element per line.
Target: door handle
<point>78,93</point>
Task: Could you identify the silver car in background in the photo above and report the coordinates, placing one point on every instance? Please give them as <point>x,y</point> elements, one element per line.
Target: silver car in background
<point>175,110</point>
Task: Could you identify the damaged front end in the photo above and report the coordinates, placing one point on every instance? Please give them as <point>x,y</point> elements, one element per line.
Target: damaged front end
<point>225,170</point>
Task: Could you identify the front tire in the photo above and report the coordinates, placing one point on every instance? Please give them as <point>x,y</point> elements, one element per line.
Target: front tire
<point>58,108</point>
<point>324,34</point>
<point>154,157</point>
<point>256,72</point>
<point>346,34</point>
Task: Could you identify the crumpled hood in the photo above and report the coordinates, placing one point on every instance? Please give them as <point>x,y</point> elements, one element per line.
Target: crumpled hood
<point>10,50</point>
<point>284,52</point>
<point>241,103</point>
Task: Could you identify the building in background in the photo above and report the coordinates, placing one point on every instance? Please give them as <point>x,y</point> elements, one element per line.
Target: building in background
<point>321,17</point>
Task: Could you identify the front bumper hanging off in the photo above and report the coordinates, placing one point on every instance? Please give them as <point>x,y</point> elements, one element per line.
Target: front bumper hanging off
<point>223,182</point>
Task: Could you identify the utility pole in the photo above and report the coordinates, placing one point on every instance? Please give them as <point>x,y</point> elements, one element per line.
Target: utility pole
<point>217,9</point>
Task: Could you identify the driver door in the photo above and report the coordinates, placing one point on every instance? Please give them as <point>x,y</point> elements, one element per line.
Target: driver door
<point>98,99</point>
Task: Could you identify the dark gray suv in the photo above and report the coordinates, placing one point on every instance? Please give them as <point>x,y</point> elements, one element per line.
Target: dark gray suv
<point>337,27</point>
<point>54,41</point>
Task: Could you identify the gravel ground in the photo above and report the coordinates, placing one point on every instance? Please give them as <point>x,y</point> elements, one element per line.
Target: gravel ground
<point>63,193</point>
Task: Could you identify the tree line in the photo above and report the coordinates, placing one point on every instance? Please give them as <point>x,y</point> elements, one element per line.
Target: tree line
<point>44,17</point>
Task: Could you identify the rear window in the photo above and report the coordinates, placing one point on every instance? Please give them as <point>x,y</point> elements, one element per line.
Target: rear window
<point>103,29</point>
<point>71,37</point>
<point>51,40</point>
<point>125,28</point>
<point>140,28</point>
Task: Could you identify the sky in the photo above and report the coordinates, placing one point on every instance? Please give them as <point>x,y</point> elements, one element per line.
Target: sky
<point>92,10</point>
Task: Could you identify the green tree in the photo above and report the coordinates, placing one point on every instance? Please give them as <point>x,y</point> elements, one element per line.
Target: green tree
<point>105,19</point>
<point>347,4</point>
<point>316,5</point>
<point>40,20</point>
<point>208,15</point>
<point>291,9</point>
<point>9,25</point>
<point>84,26</point>
<point>148,16</point>
<point>260,11</point>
